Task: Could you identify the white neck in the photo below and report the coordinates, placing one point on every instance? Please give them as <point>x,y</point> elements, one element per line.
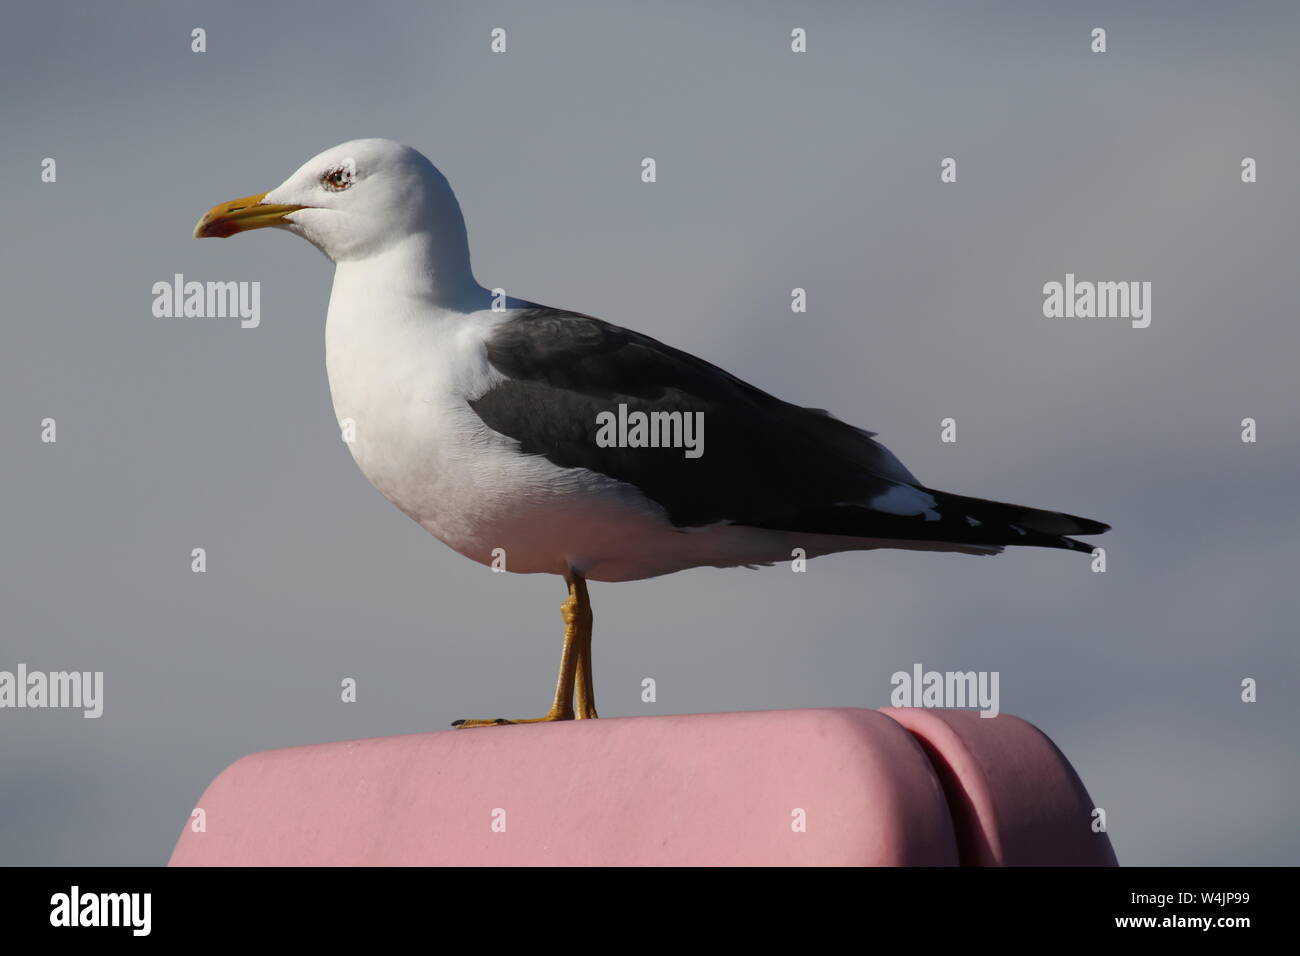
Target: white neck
<point>433,269</point>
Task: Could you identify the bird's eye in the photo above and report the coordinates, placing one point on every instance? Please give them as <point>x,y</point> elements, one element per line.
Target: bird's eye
<point>338,178</point>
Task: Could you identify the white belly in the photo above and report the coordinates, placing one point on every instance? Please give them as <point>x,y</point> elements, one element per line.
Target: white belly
<point>400,390</point>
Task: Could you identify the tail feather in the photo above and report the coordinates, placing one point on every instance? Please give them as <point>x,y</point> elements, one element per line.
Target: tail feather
<point>1030,519</point>
<point>996,522</point>
<point>952,519</point>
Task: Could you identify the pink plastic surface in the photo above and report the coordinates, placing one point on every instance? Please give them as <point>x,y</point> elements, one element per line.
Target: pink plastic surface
<point>710,789</point>
<point>1014,798</point>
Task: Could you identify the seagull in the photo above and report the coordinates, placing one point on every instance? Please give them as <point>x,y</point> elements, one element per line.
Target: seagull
<point>542,441</point>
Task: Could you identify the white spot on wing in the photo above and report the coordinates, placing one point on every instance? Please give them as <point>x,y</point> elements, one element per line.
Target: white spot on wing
<point>907,501</point>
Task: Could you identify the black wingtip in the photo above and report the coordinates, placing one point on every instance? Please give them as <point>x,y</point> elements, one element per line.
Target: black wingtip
<point>1083,547</point>
<point>1088,526</point>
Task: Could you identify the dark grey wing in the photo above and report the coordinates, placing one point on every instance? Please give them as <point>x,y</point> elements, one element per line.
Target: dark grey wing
<point>763,459</point>
<point>765,463</point>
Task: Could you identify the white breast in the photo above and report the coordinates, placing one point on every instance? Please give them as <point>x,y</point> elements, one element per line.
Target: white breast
<point>401,376</point>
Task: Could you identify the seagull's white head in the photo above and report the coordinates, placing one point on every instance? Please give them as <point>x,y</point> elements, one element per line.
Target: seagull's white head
<point>352,202</point>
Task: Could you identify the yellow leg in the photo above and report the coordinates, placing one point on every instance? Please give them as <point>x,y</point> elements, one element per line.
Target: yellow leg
<point>575,664</point>
<point>585,688</point>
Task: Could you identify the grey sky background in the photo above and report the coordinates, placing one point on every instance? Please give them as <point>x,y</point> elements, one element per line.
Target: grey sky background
<point>775,170</point>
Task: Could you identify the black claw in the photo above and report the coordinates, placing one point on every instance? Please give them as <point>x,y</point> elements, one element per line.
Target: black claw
<point>457,723</point>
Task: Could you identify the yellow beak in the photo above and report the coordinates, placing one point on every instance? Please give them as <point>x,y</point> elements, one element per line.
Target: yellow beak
<point>241,215</point>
